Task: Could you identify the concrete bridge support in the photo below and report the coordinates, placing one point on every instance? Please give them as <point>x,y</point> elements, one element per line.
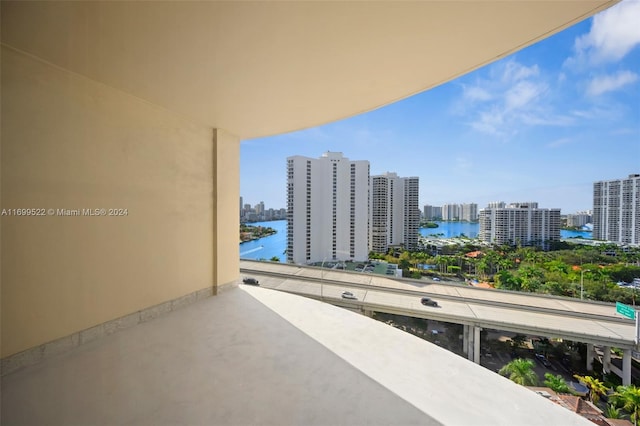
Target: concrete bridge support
<point>625,373</point>
<point>606,359</point>
<point>471,342</point>
<point>476,344</point>
<point>465,339</point>
<point>590,355</point>
<point>626,367</point>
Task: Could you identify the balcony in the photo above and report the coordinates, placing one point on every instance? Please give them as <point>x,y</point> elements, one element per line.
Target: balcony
<point>257,356</point>
<point>142,106</point>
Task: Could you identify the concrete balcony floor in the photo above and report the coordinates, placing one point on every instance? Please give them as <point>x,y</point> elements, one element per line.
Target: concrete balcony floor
<point>252,356</point>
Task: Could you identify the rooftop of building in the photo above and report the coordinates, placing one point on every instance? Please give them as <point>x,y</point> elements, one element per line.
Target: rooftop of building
<point>579,406</point>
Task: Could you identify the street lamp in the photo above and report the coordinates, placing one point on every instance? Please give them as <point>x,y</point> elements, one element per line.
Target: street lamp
<point>582,282</point>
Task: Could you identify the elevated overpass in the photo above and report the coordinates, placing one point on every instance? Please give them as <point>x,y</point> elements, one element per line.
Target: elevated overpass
<point>594,323</point>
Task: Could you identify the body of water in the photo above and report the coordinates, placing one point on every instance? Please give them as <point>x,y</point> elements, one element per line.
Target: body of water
<point>275,245</point>
<point>452,229</point>
<point>267,247</point>
<point>455,229</point>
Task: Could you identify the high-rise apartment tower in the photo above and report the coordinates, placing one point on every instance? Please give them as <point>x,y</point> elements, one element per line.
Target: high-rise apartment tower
<point>616,210</point>
<point>432,212</point>
<point>327,209</point>
<point>469,212</point>
<point>395,215</point>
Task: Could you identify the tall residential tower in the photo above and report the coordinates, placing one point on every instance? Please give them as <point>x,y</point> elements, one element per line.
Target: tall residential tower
<point>327,209</point>
<point>616,210</point>
<point>395,215</point>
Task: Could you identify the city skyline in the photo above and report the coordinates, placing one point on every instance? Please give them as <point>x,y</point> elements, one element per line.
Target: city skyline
<point>542,124</point>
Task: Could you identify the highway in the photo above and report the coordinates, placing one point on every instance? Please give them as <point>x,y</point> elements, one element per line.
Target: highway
<point>527,313</point>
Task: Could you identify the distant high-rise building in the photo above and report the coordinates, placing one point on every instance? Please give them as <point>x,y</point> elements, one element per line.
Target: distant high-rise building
<point>466,212</point>
<point>432,212</point>
<point>327,208</point>
<point>497,205</point>
<point>520,223</point>
<point>411,223</point>
<point>469,212</point>
<point>616,210</point>
<point>395,215</point>
<point>578,219</point>
<point>451,212</point>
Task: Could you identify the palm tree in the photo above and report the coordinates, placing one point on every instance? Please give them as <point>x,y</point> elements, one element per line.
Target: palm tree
<point>520,371</point>
<point>482,267</point>
<point>556,383</point>
<point>596,387</point>
<point>630,398</point>
<point>420,258</point>
<point>442,262</point>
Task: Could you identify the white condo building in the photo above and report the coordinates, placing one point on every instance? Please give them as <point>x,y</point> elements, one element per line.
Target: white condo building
<point>395,215</point>
<point>469,212</point>
<point>466,212</point>
<point>432,212</point>
<point>520,223</point>
<point>451,212</point>
<point>579,219</point>
<point>328,208</point>
<point>616,210</point>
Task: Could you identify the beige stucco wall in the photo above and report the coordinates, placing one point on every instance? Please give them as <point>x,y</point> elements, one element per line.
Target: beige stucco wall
<point>226,214</point>
<point>72,143</point>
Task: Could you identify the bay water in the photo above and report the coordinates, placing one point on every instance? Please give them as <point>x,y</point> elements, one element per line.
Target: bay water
<point>275,245</point>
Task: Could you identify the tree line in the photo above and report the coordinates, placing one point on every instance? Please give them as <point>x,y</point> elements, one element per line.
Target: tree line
<point>591,272</point>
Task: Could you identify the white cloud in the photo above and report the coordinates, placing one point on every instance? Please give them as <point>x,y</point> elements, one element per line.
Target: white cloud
<point>514,71</point>
<point>475,93</point>
<point>614,33</point>
<point>522,94</point>
<point>509,97</point>
<point>608,83</point>
<point>491,121</point>
<point>547,118</point>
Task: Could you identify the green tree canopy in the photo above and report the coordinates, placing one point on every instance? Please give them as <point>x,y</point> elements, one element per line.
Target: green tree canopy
<point>520,371</point>
<point>630,398</point>
<point>556,383</point>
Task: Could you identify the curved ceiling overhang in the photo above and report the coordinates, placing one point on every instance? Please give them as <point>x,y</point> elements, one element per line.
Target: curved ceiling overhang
<point>263,68</point>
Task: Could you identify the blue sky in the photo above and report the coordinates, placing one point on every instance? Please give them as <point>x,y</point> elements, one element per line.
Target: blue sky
<point>540,125</point>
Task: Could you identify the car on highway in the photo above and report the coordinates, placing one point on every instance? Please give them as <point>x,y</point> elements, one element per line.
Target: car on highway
<point>426,301</point>
<point>348,295</point>
<point>543,360</point>
<point>435,279</point>
<point>250,281</point>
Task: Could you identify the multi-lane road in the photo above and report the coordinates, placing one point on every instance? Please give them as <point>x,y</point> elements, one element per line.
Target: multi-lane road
<point>572,319</point>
